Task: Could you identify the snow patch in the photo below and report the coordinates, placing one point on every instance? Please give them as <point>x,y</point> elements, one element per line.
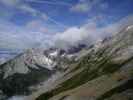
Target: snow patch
<point>45,61</point>
<point>54,54</point>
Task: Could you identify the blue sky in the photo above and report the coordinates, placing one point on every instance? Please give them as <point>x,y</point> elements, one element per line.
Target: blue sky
<point>64,11</point>
<point>38,23</point>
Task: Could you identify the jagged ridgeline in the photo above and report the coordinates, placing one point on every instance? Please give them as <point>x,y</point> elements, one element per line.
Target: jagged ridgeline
<point>102,74</point>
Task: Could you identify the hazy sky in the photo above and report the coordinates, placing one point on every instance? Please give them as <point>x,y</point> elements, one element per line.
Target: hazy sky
<point>38,23</point>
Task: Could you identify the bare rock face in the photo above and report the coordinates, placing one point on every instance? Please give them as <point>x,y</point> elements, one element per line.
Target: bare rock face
<point>23,74</point>
<point>18,74</point>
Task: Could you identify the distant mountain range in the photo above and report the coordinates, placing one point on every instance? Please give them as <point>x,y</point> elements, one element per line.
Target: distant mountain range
<point>103,71</point>
<point>7,54</point>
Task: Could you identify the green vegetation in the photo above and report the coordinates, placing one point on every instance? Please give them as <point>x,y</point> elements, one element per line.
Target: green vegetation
<point>100,68</point>
<point>94,65</point>
<point>119,89</point>
<point>63,97</point>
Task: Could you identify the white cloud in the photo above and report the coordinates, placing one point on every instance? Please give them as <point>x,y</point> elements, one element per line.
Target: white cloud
<point>84,5</point>
<point>19,4</point>
<point>89,33</point>
<point>32,11</point>
<point>26,8</point>
<point>15,37</point>
<point>80,7</point>
<point>86,34</point>
<point>59,3</point>
<point>34,34</point>
<point>69,37</point>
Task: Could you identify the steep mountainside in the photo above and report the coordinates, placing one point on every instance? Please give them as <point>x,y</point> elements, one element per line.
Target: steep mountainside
<point>101,72</point>
<point>104,73</point>
<point>29,69</point>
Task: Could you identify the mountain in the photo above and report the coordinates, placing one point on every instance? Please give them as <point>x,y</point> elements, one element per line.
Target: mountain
<point>30,69</point>
<point>102,71</point>
<point>6,54</point>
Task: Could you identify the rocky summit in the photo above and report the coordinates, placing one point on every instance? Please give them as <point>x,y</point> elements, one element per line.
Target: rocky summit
<point>103,71</point>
